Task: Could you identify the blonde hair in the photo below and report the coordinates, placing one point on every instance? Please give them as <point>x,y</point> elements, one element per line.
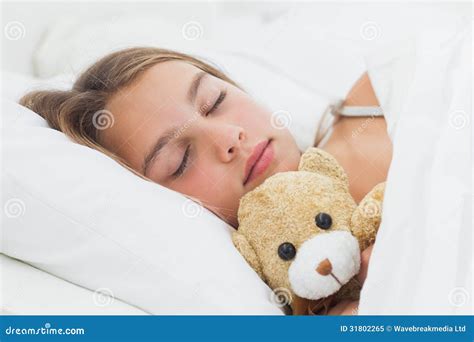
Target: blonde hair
<point>72,111</point>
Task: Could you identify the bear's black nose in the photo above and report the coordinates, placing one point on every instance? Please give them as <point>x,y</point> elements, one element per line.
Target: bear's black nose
<point>323,220</point>
<point>286,251</point>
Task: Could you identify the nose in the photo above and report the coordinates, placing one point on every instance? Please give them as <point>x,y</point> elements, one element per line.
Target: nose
<point>227,141</point>
<point>324,267</point>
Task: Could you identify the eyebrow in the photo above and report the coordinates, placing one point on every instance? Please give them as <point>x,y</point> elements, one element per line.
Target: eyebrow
<point>170,133</point>
<point>193,89</point>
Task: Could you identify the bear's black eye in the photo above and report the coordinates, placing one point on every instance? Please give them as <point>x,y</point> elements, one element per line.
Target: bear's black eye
<point>323,220</point>
<point>286,251</point>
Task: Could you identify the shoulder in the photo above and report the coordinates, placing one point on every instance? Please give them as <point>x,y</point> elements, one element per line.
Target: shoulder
<point>361,93</point>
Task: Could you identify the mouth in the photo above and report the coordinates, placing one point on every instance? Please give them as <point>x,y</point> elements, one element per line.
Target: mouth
<point>261,157</point>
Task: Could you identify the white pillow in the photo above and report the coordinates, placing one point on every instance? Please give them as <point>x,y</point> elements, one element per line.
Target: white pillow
<point>27,290</point>
<point>75,213</point>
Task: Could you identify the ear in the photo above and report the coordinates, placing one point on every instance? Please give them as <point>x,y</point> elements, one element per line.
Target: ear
<point>319,161</point>
<point>243,246</point>
<point>366,218</point>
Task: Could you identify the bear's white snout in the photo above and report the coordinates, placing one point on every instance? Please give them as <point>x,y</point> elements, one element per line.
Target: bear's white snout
<point>323,264</point>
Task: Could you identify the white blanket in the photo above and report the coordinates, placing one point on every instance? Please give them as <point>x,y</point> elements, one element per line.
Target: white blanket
<point>422,259</point>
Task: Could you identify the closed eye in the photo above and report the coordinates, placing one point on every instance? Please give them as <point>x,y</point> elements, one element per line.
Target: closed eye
<point>182,167</point>
<point>216,104</point>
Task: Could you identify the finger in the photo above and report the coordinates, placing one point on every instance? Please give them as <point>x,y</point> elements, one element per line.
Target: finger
<point>364,264</point>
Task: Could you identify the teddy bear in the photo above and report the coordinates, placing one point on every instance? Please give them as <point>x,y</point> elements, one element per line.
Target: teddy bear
<point>302,232</point>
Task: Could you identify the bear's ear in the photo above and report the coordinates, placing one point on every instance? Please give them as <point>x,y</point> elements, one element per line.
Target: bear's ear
<point>243,246</point>
<point>319,161</point>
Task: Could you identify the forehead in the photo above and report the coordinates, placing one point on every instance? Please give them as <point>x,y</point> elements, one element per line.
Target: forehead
<point>167,81</point>
<point>155,101</point>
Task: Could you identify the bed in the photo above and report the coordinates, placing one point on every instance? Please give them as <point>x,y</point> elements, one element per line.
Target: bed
<point>422,261</point>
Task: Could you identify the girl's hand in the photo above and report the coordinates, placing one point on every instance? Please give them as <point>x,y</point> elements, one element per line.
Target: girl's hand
<point>347,307</point>
<point>364,264</point>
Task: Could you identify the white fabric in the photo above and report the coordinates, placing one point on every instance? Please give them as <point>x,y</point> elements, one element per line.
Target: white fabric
<point>422,259</point>
<point>361,111</point>
<point>29,291</point>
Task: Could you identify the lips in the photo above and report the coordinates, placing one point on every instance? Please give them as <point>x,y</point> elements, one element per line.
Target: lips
<point>259,160</point>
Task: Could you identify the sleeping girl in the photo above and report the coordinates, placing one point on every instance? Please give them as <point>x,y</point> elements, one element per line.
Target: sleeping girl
<point>184,124</point>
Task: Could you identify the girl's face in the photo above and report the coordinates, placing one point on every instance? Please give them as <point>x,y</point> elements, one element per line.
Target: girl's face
<point>194,133</point>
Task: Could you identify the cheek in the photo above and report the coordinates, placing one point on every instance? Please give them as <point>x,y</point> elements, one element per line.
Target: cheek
<point>206,179</point>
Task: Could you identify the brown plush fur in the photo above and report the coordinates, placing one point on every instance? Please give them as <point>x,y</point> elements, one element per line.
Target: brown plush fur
<point>283,208</point>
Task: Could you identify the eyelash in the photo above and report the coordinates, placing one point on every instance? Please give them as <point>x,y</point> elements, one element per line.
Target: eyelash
<point>184,162</point>
<point>219,100</point>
